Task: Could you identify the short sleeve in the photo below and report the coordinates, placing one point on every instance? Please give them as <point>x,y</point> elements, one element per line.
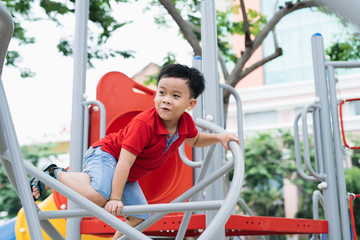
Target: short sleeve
<point>136,136</point>
<point>191,128</point>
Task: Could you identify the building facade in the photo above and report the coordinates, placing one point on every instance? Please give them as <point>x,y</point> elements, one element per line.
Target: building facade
<point>274,94</point>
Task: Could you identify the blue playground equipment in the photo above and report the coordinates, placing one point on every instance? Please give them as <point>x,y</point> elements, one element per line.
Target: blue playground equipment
<point>218,220</point>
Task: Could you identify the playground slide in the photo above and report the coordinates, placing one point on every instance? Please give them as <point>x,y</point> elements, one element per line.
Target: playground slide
<point>172,179</point>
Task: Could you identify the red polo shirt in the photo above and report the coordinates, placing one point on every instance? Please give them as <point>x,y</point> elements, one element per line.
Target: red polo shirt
<point>145,136</point>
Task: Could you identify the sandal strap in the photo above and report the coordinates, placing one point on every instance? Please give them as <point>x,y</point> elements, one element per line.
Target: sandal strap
<point>53,169</point>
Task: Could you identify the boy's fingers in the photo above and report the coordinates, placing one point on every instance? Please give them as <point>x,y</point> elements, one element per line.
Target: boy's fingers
<point>119,210</point>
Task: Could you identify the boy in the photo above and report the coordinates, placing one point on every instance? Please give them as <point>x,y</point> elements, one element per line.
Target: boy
<point>113,164</point>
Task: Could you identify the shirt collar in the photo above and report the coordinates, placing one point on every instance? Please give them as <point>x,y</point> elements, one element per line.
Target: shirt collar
<point>161,130</point>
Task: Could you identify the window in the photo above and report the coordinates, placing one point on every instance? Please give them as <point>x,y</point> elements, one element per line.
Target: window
<point>260,119</point>
<point>354,108</point>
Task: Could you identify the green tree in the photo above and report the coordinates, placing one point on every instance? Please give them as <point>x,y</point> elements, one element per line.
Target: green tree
<point>266,167</point>
<point>185,13</point>
<point>100,14</point>
<point>254,26</point>
<point>9,201</point>
<point>345,50</point>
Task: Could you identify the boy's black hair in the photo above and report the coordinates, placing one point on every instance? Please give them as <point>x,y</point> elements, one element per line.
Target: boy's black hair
<point>195,79</point>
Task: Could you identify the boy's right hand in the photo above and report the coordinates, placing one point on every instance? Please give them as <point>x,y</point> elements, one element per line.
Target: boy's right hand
<point>114,207</point>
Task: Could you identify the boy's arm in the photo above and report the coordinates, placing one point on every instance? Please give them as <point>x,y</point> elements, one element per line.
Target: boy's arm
<point>126,160</point>
<point>207,139</point>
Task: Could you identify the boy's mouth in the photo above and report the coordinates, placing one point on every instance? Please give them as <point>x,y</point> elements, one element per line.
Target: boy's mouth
<point>165,109</point>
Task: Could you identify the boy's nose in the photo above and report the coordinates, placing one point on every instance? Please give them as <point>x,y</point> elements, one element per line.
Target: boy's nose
<point>166,100</point>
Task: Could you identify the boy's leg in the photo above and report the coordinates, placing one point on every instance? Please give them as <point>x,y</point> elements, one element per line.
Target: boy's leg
<point>79,182</point>
<point>132,221</point>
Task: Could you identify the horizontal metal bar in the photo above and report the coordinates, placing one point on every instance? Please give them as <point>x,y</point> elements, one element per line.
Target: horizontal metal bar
<point>138,209</point>
<point>343,64</point>
<point>84,203</point>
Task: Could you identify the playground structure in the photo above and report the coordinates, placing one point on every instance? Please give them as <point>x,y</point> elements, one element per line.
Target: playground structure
<point>218,221</point>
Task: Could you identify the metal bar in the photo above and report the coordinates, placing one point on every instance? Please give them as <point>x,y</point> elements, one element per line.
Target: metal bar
<point>188,194</point>
<point>298,153</point>
<point>318,142</point>
<point>86,121</point>
<point>6,32</point>
<point>212,96</point>
<point>338,154</point>
<point>316,197</point>
<point>139,209</point>
<point>306,109</point>
<point>247,209</point>
<point>11,146</point>
<point>19,180</point>
<point>198,153</point>
<point>77,120</point>
<point>85,138</point>
<point>321,90</point>
<point>225,211</point>
<point>186,218</point>
<point>187,161</point>
<point>50,230</point>
<point>84,203</point>
<point>239,112</point>
<point>230,201</point>
<point>342,64</point>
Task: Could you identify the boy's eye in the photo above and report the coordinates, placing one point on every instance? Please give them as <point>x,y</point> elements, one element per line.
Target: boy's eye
<point>161,92</point>
<point>176,96</point>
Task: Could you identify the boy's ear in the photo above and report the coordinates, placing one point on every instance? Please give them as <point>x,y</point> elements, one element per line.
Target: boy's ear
<point>192,104</point>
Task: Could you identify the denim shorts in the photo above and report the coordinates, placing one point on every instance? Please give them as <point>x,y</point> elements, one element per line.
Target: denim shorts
<point>100,166</point>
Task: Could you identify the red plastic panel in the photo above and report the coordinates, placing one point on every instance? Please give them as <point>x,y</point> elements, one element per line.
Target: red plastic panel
<point>237,225</point>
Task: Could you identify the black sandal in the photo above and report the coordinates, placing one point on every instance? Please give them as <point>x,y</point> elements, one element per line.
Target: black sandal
<point>52,170</point>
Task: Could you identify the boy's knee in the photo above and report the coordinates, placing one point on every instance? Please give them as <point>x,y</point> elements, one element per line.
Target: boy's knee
<point>96,197</point>
<point>134,221</point>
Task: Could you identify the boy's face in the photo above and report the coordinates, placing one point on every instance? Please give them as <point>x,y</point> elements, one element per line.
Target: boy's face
<point>173,98</point>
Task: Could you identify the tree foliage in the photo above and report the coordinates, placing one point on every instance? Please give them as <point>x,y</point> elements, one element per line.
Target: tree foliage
<point>100,14</point>
<point>266,168</point>
<point>346,50</point>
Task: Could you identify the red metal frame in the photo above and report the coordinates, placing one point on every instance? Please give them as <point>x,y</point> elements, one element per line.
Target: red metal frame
<point>352,197</point>
<point>342,124</point>
<point>237,225</point>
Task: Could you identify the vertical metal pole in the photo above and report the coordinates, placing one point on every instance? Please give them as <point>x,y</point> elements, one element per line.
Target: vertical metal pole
<point>338,156</point>
<point>331,200</point>
<point>80,60</point>
<point>9,140</point>
<point>198,153</point>
<point>212,98</point>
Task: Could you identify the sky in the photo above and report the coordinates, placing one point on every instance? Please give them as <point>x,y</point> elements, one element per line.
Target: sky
<point>41,106</point>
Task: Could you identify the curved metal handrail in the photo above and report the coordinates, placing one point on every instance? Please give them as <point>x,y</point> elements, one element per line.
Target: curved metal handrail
<point>231,199</point>
<point>239,112</point>
<point>240,128</point>
<point>185,159</point>
<point>309,108</point>
<point>315,176</point>
<point>86,121</point>
<point>298,154</point>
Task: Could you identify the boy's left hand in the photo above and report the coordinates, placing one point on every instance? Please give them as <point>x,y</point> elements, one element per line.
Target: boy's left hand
<point>114,207</point>
<point>225,138</point>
